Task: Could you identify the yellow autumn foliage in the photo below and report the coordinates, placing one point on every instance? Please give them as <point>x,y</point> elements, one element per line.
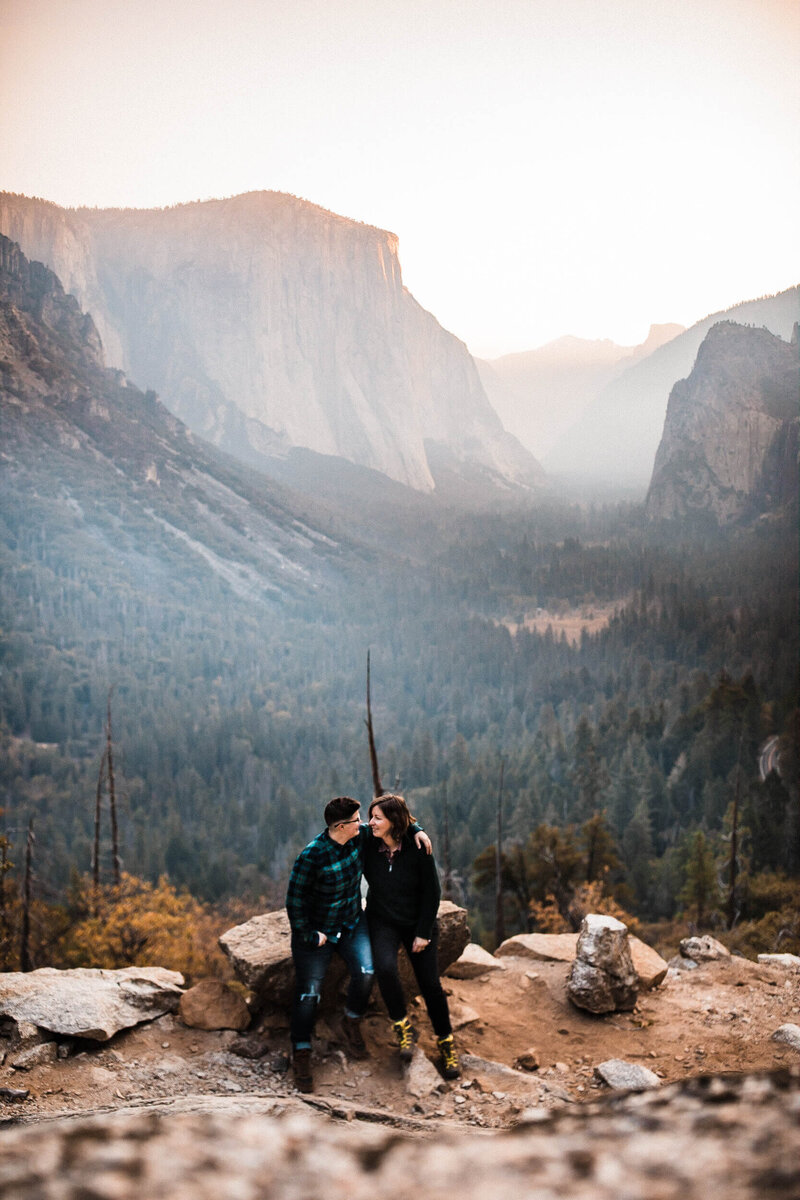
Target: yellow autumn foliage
<point>138,923</point>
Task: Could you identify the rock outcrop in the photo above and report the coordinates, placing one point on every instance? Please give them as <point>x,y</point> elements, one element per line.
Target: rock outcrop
<point>650,967</point>
<point>616,438</point>
<point>265,322</point>
<point>88,1002</point>
<point>602,978</point>
<point>729,447</point>
<point>260,954</point>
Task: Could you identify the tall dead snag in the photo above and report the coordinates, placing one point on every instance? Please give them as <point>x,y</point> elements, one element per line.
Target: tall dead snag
<point>25,963</point>
<point>377,786</point>
<point>499,905</point>
<point>5,925</point>
<point>733,866</point>
<point>447,883</point>
<point>112,798</point>
<point>96,845</point>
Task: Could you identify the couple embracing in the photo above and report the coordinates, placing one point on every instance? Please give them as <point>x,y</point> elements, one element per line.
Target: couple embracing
<point>326,916</point>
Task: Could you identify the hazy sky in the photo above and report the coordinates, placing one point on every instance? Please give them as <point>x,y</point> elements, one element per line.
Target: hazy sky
<point>550,166</point>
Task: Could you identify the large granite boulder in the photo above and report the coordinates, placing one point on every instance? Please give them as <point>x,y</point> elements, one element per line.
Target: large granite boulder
<point>603,978</point>
<point>260,954</point>
<point>88,1002</point>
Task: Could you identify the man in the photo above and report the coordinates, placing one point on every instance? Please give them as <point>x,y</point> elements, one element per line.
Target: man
<point>325,912</point>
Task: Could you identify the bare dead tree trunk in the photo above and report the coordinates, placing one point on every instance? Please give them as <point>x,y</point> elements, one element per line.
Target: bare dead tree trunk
<point>5,931</point>
<point>112,798</point>
<point>377,786</point>
<point>447,890</point>
<point>733,866</point>
<point>499,914</point>
<point>25,963</point>
<point>96,845</point>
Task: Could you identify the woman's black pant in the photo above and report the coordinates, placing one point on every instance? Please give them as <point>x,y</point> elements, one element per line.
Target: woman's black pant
<point>386,941</point>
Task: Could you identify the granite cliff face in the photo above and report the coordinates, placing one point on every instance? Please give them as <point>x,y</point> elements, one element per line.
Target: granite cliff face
<point>616,437</point>
<point>729,446</point>
<point>265,322</point>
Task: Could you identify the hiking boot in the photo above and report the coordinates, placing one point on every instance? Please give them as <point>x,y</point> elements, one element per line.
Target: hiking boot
<point>354,1044</point>
<point>405,1038</point>
<point>447,1053</point>
<point>301,1065</point>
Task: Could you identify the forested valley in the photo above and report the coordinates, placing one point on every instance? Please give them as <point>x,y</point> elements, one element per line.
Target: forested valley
<point>624,761</point>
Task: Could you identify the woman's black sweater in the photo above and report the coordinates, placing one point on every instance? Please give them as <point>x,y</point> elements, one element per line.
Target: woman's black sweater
<point>405,891</point>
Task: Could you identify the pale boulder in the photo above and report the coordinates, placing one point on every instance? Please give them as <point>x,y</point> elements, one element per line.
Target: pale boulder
<point>603,978</point>
<point>621,1075</point>
<point>89,1002</point>
<point>790,961</point>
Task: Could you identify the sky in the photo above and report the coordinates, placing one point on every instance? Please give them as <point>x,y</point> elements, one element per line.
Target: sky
<point>550,167</point>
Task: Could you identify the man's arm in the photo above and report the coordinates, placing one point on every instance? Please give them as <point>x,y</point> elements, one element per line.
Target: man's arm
<point>298,895</point>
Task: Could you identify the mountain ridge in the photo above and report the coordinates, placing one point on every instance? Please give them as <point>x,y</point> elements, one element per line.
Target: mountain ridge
<point>265,322</point>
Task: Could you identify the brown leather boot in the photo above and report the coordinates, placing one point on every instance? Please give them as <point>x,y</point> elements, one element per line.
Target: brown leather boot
<point>354,1044</point>
<point>301,1066</point>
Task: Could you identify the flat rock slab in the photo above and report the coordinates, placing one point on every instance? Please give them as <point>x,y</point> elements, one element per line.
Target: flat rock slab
<point>626,1076</point>
<point>547,947</point>
<point>561,947</point>
<point>473,962</point>
<point>87,1002</point>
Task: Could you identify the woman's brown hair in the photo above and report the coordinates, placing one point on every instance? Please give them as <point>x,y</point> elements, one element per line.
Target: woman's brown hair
<point>395,809</point>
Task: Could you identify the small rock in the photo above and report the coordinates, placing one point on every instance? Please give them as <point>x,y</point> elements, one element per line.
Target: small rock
<point>703,949</point>
<point>789,1035</point>
<point>499,1095</point>
<point>422,1078</point>
<point>253,1046</point>
<point>562,1068</point>
<point>212,1004</point>
<point>13,1095</point>
<point>621,1075</point>
<point>458,1099</point>
<point>46,1052</point>
<point>528,1060</point>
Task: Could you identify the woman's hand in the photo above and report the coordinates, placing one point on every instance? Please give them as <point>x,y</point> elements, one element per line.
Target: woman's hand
<point>423,841</point>
<point>323,937</point>
<point>420,944</point>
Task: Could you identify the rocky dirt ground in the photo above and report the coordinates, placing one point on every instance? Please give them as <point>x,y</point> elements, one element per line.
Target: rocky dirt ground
<point>717,1018</point>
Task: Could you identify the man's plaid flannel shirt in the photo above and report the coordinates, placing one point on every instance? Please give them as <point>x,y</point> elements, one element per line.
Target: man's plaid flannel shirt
<point>325,887</point>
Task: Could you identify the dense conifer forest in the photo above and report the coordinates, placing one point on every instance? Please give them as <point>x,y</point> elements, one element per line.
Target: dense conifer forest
<point>629,754</point>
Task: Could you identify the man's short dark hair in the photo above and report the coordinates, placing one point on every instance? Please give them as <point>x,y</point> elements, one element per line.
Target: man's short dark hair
<point>339,809</point>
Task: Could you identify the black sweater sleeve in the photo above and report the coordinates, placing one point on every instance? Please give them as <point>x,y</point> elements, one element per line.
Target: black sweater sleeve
<point>429,894</point>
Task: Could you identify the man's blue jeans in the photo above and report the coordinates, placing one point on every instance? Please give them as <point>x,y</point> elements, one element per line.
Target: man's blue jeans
<point>310,965</point>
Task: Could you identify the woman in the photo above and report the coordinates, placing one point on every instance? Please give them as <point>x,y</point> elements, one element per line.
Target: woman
<point>402,904</point>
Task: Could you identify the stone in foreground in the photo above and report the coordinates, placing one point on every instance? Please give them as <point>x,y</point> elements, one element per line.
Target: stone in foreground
<point>88,1002</point>
<point>212,1004</point>
<point>625,1076</point>
<point>603,978</point>
<point>789,1035</point>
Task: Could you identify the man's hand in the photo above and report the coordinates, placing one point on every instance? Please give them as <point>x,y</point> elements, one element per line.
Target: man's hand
<point>423,841</point>
<point>322,939</point>
<point>420,943</point>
